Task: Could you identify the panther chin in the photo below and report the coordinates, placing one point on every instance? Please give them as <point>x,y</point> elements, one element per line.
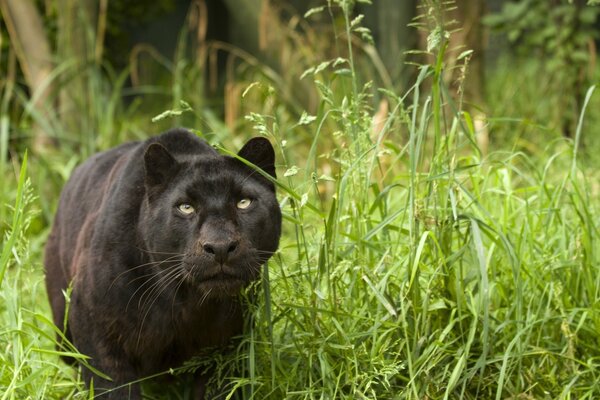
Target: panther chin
<point>222,285</point>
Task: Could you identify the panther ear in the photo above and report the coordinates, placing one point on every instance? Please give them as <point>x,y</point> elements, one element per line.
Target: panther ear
<point>259,152</point>
<point>159,165</point>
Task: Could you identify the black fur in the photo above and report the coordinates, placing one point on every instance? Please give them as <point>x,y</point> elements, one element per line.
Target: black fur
<point>153,286</point>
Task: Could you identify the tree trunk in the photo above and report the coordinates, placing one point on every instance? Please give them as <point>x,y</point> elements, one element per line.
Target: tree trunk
<point>245,28</point>
<point>31,46</point>
<point>471,36</point>
<point>393,36</point>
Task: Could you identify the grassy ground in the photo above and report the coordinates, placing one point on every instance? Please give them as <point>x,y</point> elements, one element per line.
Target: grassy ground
<point>411,265</point>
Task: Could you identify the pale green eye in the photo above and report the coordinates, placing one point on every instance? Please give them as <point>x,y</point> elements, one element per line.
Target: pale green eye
<point>185,209</point>
<point>244,203</point>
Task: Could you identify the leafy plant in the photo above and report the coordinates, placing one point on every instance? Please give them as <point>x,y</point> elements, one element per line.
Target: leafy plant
<point>562,33</point>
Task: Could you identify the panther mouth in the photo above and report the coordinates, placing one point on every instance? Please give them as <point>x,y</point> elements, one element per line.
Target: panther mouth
<point>217,280</point>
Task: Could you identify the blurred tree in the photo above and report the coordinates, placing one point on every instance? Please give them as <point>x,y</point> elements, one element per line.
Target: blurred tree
<point>245,15</point>
<point>31,45</point>
<point>471,36</point>
<point>393,35</point>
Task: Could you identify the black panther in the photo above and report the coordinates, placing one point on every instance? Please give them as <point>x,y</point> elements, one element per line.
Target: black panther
<point>156,239</point>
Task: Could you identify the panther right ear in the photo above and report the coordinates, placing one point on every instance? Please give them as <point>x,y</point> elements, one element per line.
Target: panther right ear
<point>259,152</point>
<point>159,165</point>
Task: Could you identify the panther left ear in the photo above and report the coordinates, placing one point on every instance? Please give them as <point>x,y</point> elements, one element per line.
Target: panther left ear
<point>259,152</point>
<point>159,165</point>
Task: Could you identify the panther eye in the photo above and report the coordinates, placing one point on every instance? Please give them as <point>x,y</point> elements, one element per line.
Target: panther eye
<point>244,203</point>
<point>185,209</point>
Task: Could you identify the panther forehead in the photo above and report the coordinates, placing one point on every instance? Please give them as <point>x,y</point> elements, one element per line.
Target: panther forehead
<point>213,179</point>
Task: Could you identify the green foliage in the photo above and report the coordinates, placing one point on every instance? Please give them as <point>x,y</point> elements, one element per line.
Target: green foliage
<point>28,367</point>
<point>561,33</point>
<point>410,266</point>
<point>549,27</point>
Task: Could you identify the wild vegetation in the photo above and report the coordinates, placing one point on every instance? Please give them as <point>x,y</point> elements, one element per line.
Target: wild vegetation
<point>413,264</point>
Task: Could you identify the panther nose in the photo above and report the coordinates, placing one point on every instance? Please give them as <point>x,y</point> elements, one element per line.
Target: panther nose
<point>220,250</point>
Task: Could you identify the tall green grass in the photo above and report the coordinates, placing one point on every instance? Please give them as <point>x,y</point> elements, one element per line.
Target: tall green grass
<point>29,367</point>
<point>410,267</point>
<point>430,272</point>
